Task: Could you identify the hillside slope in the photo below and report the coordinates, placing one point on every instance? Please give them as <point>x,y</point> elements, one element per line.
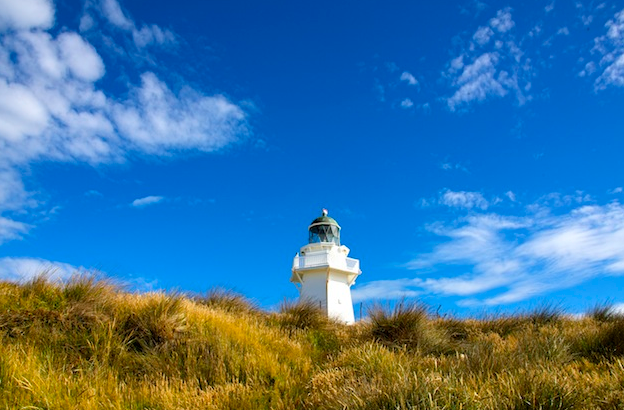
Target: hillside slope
<point>87,344</point>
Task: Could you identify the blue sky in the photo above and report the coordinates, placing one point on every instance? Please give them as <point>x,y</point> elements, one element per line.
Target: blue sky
<point>471,151</point>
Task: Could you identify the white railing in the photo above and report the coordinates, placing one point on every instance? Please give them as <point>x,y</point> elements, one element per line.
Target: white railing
<point>335,261</point>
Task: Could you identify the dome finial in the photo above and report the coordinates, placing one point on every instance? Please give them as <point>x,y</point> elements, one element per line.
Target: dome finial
<point>325,212</point>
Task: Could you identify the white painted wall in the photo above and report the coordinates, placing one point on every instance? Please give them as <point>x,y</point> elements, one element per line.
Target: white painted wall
<point>314,287</point>
<point>324,275</point>
<point>339,304</point>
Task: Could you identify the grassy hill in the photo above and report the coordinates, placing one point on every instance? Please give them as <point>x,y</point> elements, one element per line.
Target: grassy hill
<point>88,345</point>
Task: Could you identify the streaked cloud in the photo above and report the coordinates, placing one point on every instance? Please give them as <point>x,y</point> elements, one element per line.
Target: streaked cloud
<point>610,48</point>
<point>11,229</point>
<point>502,258</point>
<point>109,12</point>
<point>148,200</point>
<point>384,289</point>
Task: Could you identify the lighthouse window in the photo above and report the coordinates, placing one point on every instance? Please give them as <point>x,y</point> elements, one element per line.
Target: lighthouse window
<point>325,233</point>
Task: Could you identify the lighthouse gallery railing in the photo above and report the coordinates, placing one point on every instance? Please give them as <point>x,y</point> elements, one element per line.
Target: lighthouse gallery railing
<point>336,261</point>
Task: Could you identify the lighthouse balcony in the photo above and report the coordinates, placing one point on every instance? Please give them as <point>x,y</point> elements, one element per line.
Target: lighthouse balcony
<point>333,260</point>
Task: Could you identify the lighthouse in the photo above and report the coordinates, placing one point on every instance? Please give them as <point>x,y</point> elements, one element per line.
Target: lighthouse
<point>323,272</point>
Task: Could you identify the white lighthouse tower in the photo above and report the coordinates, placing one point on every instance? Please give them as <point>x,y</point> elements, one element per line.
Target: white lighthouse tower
<point>322,271</point>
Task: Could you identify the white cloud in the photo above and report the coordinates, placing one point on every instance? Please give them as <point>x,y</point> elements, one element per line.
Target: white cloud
<point>148,200</point>
<point>611,49</point>
<point>10,229</point>
<point>409,78</point>
<point>153,34</point>
<point>589,69</point>
<point>384,289</point>
<point>53,106</point>
<point>490,66</point>
<point>617,190</point>
<point>113,14</point>
<point>156,121</point>
<point>449,166</point>
<point>563,31</point>
<point>618,308</point>
<point>503,21</point>
<point>93,193</point>
<point>514,258</point>
<point>511,196</point>
<point>22,269</point>
<point>482,35</point>
<point>26,14</point>
<point>407,103</point>
<point>81,58</point>
<point>13,195</point>
<point>463,199</point>
<point>380,91</point>
<point>477,82</point>
<point>21,112</point>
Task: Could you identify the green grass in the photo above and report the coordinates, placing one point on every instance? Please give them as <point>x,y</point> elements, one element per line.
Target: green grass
<point>88,344</point>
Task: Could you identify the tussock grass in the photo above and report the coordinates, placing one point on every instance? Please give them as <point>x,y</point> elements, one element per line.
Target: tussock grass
<point>403,325</point>
<point>604,313</point>
<point>87,344</point>
<point>302,315</point>
<point>228,300</point>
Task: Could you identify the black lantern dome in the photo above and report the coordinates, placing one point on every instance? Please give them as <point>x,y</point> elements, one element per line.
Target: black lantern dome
<point>324,229</point>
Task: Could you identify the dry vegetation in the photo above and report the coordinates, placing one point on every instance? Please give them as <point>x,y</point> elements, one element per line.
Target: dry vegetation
<point>87,345</point>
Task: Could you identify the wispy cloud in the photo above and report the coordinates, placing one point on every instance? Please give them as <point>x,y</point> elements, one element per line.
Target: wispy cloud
<point>450,166</point>
<point>503,258</point>
<point>447,166</point>
<point>385,289</point>
<point>18,269</point>
<point>408,78</point>
<point>10,229</point>
<point>463,199</point>
<point>109,12</point>
<point>53,106</point>
<point>407,103</point>
<point>459,200</point>
<point>24,269</point>
<point>610,48</point>
<point>148,200</point>
<point>491,65</point>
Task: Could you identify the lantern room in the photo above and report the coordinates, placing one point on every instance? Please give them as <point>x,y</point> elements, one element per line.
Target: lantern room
<point>324,229</point>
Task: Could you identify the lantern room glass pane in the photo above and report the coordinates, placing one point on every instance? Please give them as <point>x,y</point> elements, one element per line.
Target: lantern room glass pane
<point>325,233</point>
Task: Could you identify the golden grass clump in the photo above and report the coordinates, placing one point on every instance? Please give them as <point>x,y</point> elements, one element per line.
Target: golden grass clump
<point>228,300</point>
<point>87,344</point>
